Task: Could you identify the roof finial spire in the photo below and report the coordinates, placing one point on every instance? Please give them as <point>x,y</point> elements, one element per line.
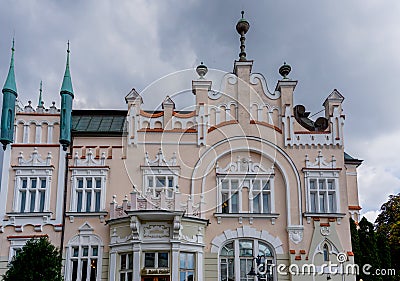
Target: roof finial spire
<point>40,102</point>
<point>67,83</point>
<point>10,81</point>
<point>242,27</point>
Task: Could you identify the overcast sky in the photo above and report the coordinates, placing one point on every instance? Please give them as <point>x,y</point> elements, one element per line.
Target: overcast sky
<point>353,46</point>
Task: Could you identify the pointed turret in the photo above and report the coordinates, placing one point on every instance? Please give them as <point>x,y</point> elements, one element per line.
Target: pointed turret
<point>8,111</point>
<point>67,95</point>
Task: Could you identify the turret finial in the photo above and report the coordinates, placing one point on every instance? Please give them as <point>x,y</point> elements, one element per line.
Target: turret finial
<point>242,27</point>
<point>10,81</point>
<point>67,83</point>
<point>40,102</point>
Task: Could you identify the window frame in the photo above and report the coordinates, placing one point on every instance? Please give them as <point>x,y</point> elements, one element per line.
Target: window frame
<point>239,260</point>
<point>85,238</point>
<point>185,269</point>
<point>156,259</point>
<point>28,174</point>
<point>128,270</point>
<point>85,174</point>
<point>318,187</point>
<point>246,181</point>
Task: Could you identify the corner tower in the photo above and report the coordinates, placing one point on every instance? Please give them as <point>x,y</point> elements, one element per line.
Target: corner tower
<point>8,111</point>
<point>67,95</point>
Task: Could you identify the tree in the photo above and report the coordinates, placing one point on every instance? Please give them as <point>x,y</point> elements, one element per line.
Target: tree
<point>355,241</point>
<point>38,260</point>
<point>369,250</point>
<point>388,224</point>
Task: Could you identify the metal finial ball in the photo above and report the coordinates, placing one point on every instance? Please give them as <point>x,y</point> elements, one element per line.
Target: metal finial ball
<point>242,25</point>
<point>284,70</point>
<point>201,70</point>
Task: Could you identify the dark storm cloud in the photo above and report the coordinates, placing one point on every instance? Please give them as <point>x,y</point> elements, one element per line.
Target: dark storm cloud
<point>117,45</point>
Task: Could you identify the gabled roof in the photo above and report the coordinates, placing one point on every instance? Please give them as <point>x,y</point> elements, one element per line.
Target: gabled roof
<point>334,96</point>
<point>133,95</point>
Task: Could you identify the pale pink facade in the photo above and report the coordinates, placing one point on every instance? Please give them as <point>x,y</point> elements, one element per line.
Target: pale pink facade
<point>172,195</point>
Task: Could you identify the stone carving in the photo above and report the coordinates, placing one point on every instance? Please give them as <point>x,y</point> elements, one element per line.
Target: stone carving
<point>35,159</point>
<point>89,161</point>
<point>160,159</point>
<point>325,230</point>
<point>296,235</point>
<point>244,165</point>
<point>320,162</point>
<point>156,231</point>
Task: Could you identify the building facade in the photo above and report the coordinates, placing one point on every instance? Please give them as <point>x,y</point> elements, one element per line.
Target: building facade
<point>243,187</point>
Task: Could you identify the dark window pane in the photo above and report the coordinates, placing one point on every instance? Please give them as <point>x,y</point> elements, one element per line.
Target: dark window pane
<point>97,206</point>
<point>24,183</point>
<point>33,183</point>
<point>93,270</point>
<point>75,251</point>
<point>162,259</point>
<point>42,198</point>
<point>74,270</point>
<point>33,197</point>
<point>89,183</point>
<point>88,201</point>
<point>42,183</point>
<point>23,201</point>
<point>98,183</point>
<point>80,183</point>
<point>123,262</point>
<point>84,270</point>
<point>85,251</point>
<point>149,260</point>
<point>95,251</point>
<point>79,205</point>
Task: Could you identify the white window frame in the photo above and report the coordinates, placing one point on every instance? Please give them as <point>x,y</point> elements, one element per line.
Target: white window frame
<point>237,257</point>
<point>152,173</point>
<point>86,174</point>
<point>321,180</point>
<point>85,238</point>
<point>249,182</point>
<point>185,269</point>
<point>30,173</point>
<point>128,266</point>
<point>156,259</point>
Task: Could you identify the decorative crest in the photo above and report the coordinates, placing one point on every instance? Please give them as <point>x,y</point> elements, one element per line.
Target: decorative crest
<point>244,166</point>
<point>320,162</point>
<point>89,161</point>
<point>35,159</point>
<point>160,159</point>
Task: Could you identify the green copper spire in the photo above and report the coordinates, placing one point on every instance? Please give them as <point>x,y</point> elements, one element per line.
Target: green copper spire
<point>8,108</point>
<point>40,95</point>
<point>67,82</point>
<point>67,95</point>
<point>10,81</point>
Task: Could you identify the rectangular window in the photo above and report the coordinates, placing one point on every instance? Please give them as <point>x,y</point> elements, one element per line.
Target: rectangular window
<point>324,199</point>
<point>126,267</point>
<point>161,183</point>
<point>88,192</point>
<point>260,195</point>
<point>156,260</point>
<point>186,267</point>
<point>31,194</point>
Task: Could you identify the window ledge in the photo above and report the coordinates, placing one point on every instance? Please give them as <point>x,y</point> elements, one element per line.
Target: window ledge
<point>29,214</point>
<point>250,216</point>
<point>101,215</point>
<point>337,216</point>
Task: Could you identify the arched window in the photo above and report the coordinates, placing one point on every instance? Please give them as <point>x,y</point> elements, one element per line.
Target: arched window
<point>241,256</point>
<point>326,252</point>
<point>84,256</point>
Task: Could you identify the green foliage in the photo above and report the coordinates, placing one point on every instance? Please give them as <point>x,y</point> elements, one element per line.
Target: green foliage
<point>388,225</point>
<point>355,241</point>
<point>369,250</point>
<point>39,260</point>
